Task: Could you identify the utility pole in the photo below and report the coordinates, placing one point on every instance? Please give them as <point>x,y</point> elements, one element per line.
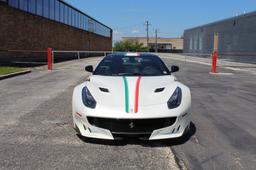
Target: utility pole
<point>156,46</point>
<point>147,28</point>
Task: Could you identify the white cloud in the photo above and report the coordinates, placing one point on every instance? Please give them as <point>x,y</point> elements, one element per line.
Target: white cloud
<point>135,31</point>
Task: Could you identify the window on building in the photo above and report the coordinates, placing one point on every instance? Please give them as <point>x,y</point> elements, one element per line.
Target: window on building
<point>96,28</point>
<point>72,17</point>
<point>32,6</point>
<point>62,12</point>
<point>77,20</point>
<point>57,11</point>
<point>195,42</point>
<point>69,16</point>
<point>200,42</point>
<point>86,23</point>
<point>46,8</point>
<point>65,14</point>
<point>191,43</point>
<point>14,3</point>
<point>81,21</point>
<point>39,7</point>
<point>52,12</point>
<point>23,5</point>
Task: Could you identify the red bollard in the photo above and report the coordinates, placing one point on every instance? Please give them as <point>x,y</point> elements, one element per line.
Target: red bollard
<point>214,61</point>
<point>49,58</point>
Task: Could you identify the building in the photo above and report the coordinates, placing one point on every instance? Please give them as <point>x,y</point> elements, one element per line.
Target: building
<point>163,44</point>
<point>38,24</point>
<point>235,36</point>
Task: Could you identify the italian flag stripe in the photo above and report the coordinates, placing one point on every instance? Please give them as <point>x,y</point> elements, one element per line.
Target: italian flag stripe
<point>137,90</point>
<point>126,95</point>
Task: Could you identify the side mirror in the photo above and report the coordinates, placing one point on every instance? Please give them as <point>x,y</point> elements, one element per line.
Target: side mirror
<point>174,69</point>
<point>89,68</point>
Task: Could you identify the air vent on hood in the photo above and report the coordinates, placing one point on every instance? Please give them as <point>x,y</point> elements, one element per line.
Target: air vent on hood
<point>159,90</point>
<point>104,90</point>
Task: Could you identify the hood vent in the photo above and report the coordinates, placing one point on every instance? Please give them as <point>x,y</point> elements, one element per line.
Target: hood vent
<point>104,90</point>
<point>159,90</point>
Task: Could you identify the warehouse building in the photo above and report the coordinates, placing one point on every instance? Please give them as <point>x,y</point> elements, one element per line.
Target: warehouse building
<point>38,24</point>
<point>235,36</point>
<point>163,44</point>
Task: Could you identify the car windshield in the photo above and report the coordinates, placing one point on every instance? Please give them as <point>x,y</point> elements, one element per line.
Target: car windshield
<point>122,65</point>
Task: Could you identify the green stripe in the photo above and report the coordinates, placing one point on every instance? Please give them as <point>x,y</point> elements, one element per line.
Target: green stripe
<point>126,95</point>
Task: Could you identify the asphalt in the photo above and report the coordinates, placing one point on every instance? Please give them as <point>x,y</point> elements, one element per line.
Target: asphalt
<point>36,124</point>
<point>36,127</point>
<point>223,117</point>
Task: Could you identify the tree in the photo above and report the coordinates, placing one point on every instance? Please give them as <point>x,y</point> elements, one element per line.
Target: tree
<point>130,45</point>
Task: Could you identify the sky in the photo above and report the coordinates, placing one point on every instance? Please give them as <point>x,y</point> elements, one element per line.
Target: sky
<point>170,18</point>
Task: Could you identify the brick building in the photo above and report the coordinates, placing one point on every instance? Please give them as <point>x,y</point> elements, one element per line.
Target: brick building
<point>39,24</point>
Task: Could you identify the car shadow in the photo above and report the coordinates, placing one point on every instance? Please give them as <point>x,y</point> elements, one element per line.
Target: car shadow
<point>145,143</point>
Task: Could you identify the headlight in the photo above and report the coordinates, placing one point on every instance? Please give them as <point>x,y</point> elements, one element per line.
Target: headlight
<point>87,98</point>
<point>175,100</point>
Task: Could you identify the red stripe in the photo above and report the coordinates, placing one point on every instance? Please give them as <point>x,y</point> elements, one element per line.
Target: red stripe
<point>137,95</point>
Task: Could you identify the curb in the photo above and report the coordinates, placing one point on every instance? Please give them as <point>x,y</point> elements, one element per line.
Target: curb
<point>14,74</point>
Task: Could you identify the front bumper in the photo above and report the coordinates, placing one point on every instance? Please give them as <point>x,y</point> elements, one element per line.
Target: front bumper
<point>151,129</point>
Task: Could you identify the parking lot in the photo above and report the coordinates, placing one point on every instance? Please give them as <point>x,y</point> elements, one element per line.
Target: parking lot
<point>36,124</point>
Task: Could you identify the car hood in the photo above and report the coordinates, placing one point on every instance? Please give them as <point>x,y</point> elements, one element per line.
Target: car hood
<point>127,92</point>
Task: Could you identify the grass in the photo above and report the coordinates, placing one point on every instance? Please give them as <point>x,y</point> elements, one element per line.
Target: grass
<point>7,70</point>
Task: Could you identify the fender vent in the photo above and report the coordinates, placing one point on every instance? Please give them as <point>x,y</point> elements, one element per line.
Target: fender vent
<point>104,90</point>
<point>159,90</point>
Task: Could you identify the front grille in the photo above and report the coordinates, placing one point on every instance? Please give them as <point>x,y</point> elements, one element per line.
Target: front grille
<point>131,126</point>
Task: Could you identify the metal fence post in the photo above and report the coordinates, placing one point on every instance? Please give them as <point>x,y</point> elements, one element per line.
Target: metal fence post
<point>214,61</point>
<point>49,58</point>
<point>78,55</point>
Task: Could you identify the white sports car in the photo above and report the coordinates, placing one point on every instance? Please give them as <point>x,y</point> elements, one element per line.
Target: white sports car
<point>131,95</point>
